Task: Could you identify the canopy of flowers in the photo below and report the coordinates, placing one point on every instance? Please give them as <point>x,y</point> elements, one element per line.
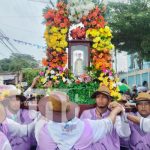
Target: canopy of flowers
<point>94,28</point>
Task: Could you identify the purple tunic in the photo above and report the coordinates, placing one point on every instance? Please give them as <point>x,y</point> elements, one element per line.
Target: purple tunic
<point>139,139</point>
<point>4,143</point>
<point>25,142</point>
<point>111,141</point>
<point>84,142</point>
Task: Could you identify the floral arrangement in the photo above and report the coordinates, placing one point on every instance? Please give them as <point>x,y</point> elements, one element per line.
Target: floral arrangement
<point>77,9</point>
<point>94,19</point>
<point>55,76</point>
<point>55,59</point>
<point>57,17</point>
<point>84,78</point>
<point>78,33</point>
<point>101,38</point>
<point>94,28</point>
<point>110,81</point>
<point>56,35</point>
<point>56,38</point>
<point>101,60</point>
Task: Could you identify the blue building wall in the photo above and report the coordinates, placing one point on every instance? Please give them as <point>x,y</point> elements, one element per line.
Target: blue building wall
<point>136,77</point>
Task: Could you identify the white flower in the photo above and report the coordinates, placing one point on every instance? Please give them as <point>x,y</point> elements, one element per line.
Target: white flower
<point>52,72</point>
<point>52,76</point>
<point>114,85</point>
<point>69,81</point>
<point>111,77</point>
<point>78,8</point>
<point>64,79</point>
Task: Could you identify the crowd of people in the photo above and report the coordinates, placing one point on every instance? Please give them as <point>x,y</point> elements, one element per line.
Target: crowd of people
<point>53,122</point>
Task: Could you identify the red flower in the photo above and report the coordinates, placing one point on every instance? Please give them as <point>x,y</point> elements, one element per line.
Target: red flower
<point>78,33</point>
<point>78,82</point>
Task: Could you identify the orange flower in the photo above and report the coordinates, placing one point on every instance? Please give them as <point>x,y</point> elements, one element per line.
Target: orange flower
<point>54,53</point>
<point>61,12</point>
<point>61,4</point>
<point>44,62</point>
<point>57,20</point>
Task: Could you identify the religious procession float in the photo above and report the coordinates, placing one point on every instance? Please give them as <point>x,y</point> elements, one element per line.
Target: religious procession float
<point>79,51</point>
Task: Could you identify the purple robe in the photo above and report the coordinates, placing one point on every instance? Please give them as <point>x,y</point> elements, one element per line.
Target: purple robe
<point>4,143</point>
<point>85,140</point>
<point>111,141</point>
<point>139,140</point>
<point>25,142</point>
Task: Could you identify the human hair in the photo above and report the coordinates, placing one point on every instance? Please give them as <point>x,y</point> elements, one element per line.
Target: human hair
<point>124,81</point>
<point>144,83</point>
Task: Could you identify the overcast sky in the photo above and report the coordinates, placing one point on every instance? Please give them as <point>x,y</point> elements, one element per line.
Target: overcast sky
<point>21,20</point>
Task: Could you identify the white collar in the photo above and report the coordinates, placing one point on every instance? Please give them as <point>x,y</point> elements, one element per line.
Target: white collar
<point>66,134</point>
<point>15,117</point>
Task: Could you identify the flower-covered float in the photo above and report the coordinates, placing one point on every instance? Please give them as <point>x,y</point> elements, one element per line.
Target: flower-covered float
<point>84,21</point>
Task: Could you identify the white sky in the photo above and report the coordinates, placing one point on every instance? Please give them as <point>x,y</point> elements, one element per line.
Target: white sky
<point>22,20</point>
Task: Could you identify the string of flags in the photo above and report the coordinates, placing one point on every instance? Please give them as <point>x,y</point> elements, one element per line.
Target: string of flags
<point>27,43</point>
<point>30,44</point>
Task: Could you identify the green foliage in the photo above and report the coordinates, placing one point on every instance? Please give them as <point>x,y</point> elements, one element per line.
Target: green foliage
<point>29,74</point>
<point>16,62</point>
<point>131,25</point>
<point>80,93</point>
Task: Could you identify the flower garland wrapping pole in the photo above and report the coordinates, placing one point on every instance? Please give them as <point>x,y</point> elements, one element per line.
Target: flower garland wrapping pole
<point>101,37</point>
<point>56,35</point>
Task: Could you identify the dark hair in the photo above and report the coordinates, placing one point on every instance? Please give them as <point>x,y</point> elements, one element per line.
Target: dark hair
<point>124,81</point>
<point>144,83</point>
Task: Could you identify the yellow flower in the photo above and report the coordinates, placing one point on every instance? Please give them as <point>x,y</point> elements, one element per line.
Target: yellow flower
<point>64,30</point>
<point>63,37</point>
<point>55,78</point>
<point>63,44</point>
<point>62,74</point>
<point>54,29</point>
<point>105,81</point>
<point>100,78</point>
<point>43,80</point>
<point>58,49</point>
<point>107,29</point>
<point>97,39</point>
<point>95,45</point>
<point>111,85</point>
<point>102,74</point>
<point>101,30</point>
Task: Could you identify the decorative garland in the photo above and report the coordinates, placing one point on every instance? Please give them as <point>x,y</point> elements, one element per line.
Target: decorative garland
<point>94,27</point>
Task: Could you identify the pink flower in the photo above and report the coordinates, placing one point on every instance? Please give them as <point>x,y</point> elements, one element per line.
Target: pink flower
<point>105,70</point>
<point>110,73</point>
<point>41,73</point>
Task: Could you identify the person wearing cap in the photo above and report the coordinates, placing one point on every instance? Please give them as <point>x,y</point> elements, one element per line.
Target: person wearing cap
<point>13,130</point>
<point>64,130</point>
<point>124,141</point>
<point>12,103</point>
<point>101,111</point>
<point>140,123</point>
